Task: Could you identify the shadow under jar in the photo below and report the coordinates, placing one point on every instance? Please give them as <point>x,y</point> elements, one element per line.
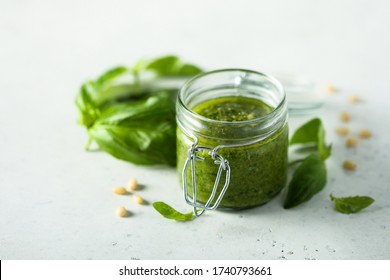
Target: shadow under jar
<point>232,139</point>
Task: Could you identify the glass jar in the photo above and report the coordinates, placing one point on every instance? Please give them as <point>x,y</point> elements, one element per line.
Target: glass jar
<point>232,139</point>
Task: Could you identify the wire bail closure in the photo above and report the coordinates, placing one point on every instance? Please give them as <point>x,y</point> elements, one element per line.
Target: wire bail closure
<point>223,166</point>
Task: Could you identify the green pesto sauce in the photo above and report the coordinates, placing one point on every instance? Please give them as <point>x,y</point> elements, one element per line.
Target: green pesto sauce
<point>233,109</point>
<point>258,171</point>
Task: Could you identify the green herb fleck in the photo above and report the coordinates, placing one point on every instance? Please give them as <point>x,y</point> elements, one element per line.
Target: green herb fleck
<point>351,204</point>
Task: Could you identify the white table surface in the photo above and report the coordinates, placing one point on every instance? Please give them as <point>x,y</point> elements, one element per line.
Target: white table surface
<point>56,200</point>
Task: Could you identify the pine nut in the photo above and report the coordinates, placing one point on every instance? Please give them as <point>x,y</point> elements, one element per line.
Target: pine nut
<point>133,184</point>
<point>119,190</point>
<point>351,142</point>
<point>138,199</point>
<point>353,99</point>
<point>330,88</point>
<point>365,133</point>
<point>121,211</point>
<point>342,131</point>
<point>345,117</point>
<point>349,165</point>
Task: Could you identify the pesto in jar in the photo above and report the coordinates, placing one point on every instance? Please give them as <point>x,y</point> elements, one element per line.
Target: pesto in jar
<point>258,170</point>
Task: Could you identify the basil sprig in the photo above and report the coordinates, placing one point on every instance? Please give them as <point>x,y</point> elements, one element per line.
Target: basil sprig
<point>130,112</point>
<point>309,178</point>
<point>351,204</point>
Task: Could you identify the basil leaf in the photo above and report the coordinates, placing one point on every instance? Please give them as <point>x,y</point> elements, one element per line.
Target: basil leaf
<point>307,133</point>
<point>323,149</point>
<point>189,70</point>
<point>351,204</point>
<point>88,111</point>
<point>130,113</point>
<point>172,66</point>
<point>114,84</point>
<point>164,66</point>
<point>111,74</point>
<point>312,132</point>
<point>308,179</point>
<point>142,132</point>
<point>170,213</point>
<point>146,145</point>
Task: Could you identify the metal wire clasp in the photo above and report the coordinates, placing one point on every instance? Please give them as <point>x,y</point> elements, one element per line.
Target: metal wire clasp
<point>223,166</point>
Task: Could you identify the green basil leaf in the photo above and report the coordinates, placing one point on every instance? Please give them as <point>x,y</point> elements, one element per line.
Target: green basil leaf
<point>140,145</point>
<point>143,132</point>
<point>138,110</point>
<point>351,204</point>
<point>323,149</point>
<point>170,213</point>
<point>88,110</point>
<point>312,132</point>
<point>172,66</point>
<point>308,179</point>
<point>164,66</point>
<point>114,84</point>
<point>189,70</point>
<point>307,133</point>
<point>111,74</point>
<point>130,113</point>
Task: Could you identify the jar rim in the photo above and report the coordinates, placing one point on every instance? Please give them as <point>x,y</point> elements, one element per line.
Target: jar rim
<point>271,114</point>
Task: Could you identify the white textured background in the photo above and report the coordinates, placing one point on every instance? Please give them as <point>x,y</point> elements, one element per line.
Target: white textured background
<point>56,200</point>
